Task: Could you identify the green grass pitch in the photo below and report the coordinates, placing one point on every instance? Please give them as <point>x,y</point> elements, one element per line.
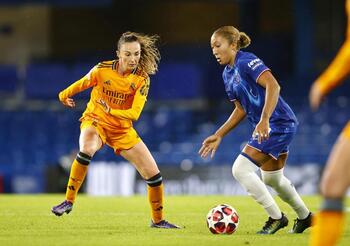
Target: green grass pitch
<point>27,220</point>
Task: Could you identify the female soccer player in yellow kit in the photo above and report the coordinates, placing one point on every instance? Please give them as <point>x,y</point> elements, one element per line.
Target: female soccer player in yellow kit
<point>329,222</point>
<point>119,93</point>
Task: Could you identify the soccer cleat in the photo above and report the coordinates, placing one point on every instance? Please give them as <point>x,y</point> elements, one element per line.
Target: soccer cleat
<point>300,225</point>
<point>64,207</point>
<point>272,225</point>
<point>163,224</point>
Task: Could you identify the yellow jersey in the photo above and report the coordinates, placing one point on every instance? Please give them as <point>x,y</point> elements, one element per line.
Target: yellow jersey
<point>339,69</point>
<point>126,95</point>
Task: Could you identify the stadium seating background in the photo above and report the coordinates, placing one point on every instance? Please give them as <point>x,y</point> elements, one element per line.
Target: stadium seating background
<point>187,102</point>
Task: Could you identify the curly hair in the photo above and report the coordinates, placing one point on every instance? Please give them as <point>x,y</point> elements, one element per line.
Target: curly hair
<point>150,55</point>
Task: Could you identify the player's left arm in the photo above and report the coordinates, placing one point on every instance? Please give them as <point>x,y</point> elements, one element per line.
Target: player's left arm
<point>134,112</point>
<point>337,71</point>
<point>339,68</point>
<point>268,81</point>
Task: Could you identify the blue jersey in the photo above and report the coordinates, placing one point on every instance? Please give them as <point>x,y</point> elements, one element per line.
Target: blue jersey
<point>241,84</point>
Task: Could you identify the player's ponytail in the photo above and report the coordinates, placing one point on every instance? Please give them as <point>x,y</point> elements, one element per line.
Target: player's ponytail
<point>243,41</point>
<point>150,55</point>
<point>234,36</point>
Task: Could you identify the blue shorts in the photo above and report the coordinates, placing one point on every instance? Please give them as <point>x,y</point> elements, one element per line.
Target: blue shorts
<point>277,144</point>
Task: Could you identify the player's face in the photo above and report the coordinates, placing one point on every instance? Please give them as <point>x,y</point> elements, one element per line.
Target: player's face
<point>129,55</point>
<point>222,50</point>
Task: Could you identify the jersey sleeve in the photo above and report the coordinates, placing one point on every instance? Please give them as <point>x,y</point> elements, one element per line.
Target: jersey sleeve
<point>339,68</point>
<point>253,67</point>
<point>140,99</point>
<point>89,80</point>
<point>229,90</point>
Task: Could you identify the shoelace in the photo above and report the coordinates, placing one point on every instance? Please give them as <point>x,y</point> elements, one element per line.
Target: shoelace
<point>163,222</point>
<point>295,223</point>
<point>269,223</point>
<point>64,204</point>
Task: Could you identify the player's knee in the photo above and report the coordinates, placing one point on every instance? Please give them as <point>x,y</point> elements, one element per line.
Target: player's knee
<point>242,167</point>
<point>88,151</point>
<point>89,148</point>
<point>237,171</point>
<point>272,178</point>
<point>272,181</point>
<point>89,141</point>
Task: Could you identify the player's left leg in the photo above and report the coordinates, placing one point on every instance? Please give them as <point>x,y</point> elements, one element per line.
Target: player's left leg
<point>272,175</point>
<point>243,170</point>
<point>329,222</point>
<point>141,158</point>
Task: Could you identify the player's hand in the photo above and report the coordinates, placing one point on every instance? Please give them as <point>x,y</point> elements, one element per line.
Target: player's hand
<point>105,106</point>
<point>209,146</point>
<point>69,102</point>
<point>262,130</point>
<point>315,97</point>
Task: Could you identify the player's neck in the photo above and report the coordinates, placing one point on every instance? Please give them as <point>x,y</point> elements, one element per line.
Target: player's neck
<point>231,63</point>
<point>122,72</point>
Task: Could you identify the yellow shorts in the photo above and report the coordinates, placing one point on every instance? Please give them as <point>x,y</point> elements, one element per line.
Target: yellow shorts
<point>117,138</point>
<point>346,131</point>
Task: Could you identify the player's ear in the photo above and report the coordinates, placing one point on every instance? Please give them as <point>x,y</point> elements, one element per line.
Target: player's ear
<point>233,46</point>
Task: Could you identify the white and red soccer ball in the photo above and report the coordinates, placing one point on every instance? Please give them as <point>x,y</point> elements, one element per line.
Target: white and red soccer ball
<point>222,219</point>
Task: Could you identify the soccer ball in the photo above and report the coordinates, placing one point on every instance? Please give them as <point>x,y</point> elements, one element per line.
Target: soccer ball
<point>222,219</point>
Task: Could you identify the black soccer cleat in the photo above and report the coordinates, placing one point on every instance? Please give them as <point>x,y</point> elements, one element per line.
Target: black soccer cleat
<point>272,225</point>
<point>64,207</point>
<point>301,225</point>
<point>163,224</point>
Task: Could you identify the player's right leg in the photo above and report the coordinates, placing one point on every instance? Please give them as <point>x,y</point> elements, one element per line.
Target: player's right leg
<point>244,170</point>
<point>329,222</point>
<point>89,143</point>
<point>286,191</point>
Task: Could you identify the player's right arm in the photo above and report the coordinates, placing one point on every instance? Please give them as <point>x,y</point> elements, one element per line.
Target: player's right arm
<point>235,118</point>
<point>82,84</point>
<point>211,143</point>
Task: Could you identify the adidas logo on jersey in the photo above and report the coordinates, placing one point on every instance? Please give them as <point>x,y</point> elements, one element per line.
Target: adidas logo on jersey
<point>107,82</point>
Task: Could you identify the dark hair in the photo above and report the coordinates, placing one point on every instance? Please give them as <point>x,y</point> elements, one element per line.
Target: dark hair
<point>150,55</point>
<point>234,36</point>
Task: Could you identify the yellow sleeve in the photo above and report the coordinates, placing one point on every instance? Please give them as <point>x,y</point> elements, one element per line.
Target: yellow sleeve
<point>140,99</point>
<point>82,84</point>
<point>336,71</point>
<point>339,69</point>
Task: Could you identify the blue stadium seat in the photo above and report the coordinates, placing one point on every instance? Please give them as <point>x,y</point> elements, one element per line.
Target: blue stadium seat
<point>172,135</point>
<point>165,85</point>
<point>8,79</point>
<point>45,81</point>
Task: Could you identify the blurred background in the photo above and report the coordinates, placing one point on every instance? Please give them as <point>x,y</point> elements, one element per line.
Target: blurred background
<point>47,45</point>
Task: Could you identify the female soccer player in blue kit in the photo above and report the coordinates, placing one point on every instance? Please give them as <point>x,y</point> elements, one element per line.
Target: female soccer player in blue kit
<point>254,91</point>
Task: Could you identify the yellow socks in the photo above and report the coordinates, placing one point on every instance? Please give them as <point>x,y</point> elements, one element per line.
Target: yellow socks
<point>77,175</point>
<point>155,197</point>
<point>328,226</point>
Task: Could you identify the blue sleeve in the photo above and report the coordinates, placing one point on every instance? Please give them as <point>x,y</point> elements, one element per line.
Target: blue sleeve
<point>253,67</point>
<point>229,90</point>
<point>231,95</point>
